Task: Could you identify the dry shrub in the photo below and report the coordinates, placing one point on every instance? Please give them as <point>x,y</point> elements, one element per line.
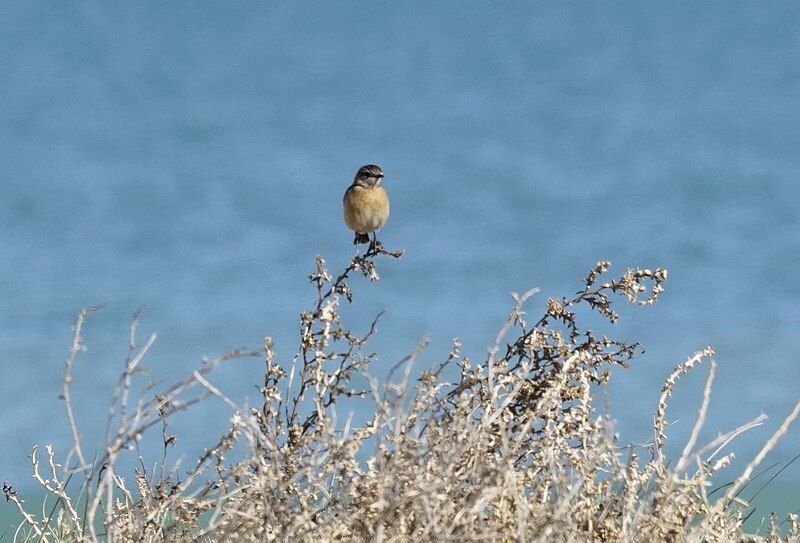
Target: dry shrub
<point>512,449</point>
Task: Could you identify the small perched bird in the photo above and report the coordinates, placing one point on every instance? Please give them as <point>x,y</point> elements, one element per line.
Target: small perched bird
<point>366,204</point>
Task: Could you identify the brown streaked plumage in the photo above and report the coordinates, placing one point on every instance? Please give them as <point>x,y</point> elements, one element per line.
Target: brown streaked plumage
<point>366,204</point>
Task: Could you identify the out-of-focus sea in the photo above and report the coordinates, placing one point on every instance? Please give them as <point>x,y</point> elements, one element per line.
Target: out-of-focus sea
<point>191,157</point>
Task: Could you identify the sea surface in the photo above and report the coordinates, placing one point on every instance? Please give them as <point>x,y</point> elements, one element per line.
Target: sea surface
<point>191,158</point>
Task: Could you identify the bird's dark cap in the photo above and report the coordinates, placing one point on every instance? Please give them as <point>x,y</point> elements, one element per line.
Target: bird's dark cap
<point>371,170</point>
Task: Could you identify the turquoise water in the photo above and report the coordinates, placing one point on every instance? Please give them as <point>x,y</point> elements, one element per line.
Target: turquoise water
<point>192,158</point>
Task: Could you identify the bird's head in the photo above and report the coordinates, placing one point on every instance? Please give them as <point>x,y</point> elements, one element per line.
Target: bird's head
<point>369,176</point>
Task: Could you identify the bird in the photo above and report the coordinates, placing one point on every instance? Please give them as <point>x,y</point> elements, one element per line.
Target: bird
<point>366,204</point>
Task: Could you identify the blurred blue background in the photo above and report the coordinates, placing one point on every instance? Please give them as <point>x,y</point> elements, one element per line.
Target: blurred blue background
<point>192,157</point>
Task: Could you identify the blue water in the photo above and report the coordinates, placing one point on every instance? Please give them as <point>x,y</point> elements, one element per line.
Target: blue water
<point>192,157</point>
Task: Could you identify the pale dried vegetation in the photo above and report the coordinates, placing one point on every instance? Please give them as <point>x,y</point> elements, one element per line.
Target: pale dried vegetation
<point>510,448</point>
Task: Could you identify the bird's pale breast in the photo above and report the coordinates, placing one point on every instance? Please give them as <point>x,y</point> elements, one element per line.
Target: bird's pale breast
<point>365,209</point>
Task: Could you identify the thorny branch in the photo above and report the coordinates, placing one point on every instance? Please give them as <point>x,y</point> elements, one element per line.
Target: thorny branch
<point>322,326</point>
